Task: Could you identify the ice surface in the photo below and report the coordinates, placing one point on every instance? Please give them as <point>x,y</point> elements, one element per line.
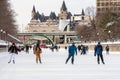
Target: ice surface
<point>53,66</point>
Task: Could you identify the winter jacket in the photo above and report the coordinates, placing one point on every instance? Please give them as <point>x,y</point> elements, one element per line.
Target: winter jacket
<point>37,50</point>
<point>95,50</point>
<point>99,49</point>
<point>13,49</point>
<point>72,50</point>
<point>107,48</point>
<point>79,47</point>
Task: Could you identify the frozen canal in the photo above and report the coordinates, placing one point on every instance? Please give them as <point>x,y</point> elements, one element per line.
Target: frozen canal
<point>53,67</point>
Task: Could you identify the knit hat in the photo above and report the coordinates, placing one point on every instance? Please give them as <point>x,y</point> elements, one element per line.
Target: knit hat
<point>98,42</point>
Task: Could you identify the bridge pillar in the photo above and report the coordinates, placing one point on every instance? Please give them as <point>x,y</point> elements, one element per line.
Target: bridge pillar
<point>54,38</point>
<point>68,40</point>
<point>65,39</point>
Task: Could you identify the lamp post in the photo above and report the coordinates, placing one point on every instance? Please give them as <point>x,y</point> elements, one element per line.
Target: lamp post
<point>98,35</point>
<point>81,38</point>
<point>109,32</point>
<point>1,33</point>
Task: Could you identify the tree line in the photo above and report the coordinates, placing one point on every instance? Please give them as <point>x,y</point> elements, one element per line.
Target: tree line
<point>7,20</point>
<point>103,27</point>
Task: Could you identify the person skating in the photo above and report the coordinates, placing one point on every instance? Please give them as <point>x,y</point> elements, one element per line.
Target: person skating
<point>79,48</point>
<point>37,51</point>
<point>95,50</point>
<point>107,49</point>
<point>83,50</point>
<point>71,50</point>
<point>98,51</point>
<point>27,48</point>
<point>13,50</point>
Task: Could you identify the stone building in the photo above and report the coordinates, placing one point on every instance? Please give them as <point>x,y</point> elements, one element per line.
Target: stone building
<point>64,14</point>
<point>41,23</point>
<point>108,5</point>
<point>64,22</point>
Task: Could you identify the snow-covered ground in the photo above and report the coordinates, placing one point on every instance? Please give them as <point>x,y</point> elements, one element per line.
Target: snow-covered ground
<point>53,67</point>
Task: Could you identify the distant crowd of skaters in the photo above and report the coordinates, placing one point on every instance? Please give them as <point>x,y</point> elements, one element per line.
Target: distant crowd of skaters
<point>72,51</point>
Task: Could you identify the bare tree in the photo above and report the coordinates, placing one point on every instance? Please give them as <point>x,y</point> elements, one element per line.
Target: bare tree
<point>85,33</point>
<point>7,20</point>
<point>90,11</point>
<point>109,24</point>
<point>100,22</point>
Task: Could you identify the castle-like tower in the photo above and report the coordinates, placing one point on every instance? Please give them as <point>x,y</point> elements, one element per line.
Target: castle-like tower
<point>33,15</point>
<point>63,12</point>
<point>41,23</point>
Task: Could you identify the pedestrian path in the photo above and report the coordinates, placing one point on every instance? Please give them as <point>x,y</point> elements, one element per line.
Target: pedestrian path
<point>53,67</point>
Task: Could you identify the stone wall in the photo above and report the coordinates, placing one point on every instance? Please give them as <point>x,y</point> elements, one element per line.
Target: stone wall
<point>113,47</point>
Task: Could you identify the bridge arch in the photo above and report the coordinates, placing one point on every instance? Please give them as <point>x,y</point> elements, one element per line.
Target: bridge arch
<point>40,34</point>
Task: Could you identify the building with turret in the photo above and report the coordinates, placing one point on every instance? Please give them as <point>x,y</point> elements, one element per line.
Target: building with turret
<point>53,23</point>
<point>64,14</point>
<point>60,27</point>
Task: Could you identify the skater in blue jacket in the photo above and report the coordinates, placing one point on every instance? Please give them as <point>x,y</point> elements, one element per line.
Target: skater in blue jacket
<point>71,50</point>
<point>98,51</point>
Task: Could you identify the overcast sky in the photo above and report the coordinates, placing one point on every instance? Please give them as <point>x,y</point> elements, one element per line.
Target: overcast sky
<point>23,8</point>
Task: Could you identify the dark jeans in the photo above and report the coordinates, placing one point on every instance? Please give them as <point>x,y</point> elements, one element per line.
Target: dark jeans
<point>72,60</point>
<point>98,58</point>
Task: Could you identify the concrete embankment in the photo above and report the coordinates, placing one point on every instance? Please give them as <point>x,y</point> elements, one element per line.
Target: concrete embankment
<point>3,49</point>
<point>114,47</point>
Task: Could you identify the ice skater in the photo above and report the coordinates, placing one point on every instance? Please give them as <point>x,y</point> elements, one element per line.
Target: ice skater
<point>79,48</point>
<point>27,48</point>
<point>13,50</point>
<point>37,52</point>
<point>71,50</point>
<point>98,51</point>
<point>107,49</point>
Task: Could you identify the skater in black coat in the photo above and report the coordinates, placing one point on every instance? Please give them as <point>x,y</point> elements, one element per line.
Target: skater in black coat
<point>13,50</point>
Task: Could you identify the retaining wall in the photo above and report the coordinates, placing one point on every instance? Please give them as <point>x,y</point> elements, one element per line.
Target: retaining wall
<point>113,47</point>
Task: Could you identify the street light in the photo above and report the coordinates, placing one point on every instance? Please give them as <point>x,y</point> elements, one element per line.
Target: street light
<point>109,32</point>
<point>81,38</point>
<point>1,33</point>
<point>98,35</point>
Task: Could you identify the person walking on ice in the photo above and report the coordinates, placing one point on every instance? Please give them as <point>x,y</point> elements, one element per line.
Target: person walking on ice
<point>71,50</point>
<point>98,52</point>
<point>37,52</point>
<point>13,50</point>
